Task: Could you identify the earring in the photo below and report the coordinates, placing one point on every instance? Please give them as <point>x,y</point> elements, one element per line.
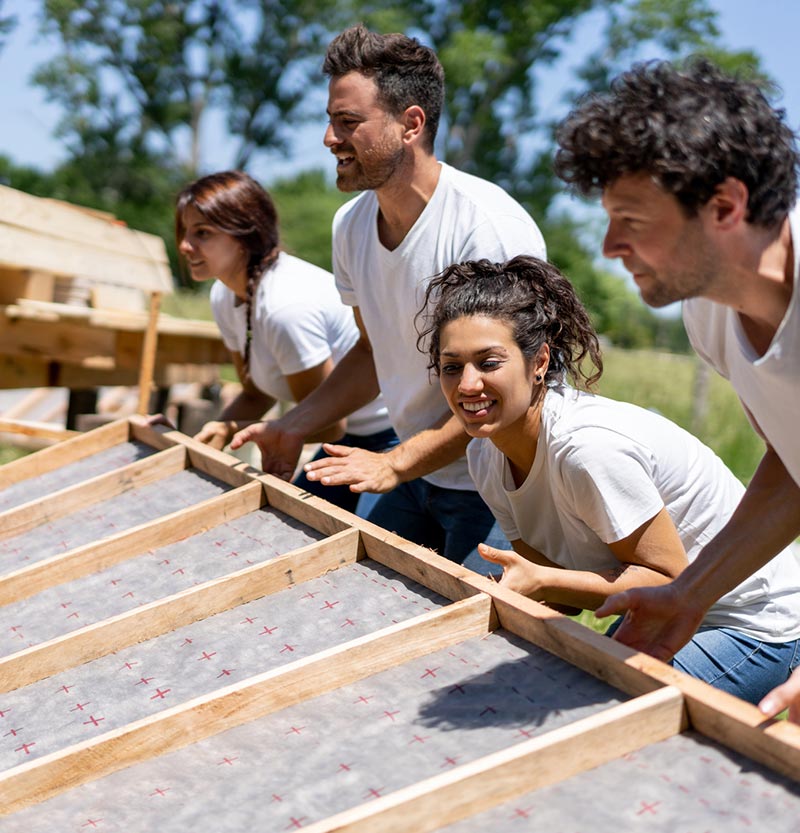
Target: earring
<point>538,377</point>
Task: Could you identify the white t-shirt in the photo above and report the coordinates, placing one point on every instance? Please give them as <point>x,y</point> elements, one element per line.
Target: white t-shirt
<point>298,322</point>
<point>602,469</point>
<point>768,385</point>
<point>466,219</point>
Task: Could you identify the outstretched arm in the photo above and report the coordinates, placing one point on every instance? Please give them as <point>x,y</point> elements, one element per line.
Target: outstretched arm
<point>660,621</point>
<point>651,555</point>
<point>351,385</point>
<point>368,471</point>
<point>249,405</point>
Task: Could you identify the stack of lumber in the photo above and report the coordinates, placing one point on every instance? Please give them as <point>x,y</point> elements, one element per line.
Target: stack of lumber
<point>79,298</point>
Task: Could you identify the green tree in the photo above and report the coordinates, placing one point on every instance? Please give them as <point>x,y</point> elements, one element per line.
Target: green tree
<point>144,74</point>
<point>137,78</point>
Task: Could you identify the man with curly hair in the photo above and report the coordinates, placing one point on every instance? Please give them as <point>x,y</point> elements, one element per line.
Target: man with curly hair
<point>698,176</point>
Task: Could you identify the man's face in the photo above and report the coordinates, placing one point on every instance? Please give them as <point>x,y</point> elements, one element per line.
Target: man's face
<point>366,140</point>
<point>669,254</point>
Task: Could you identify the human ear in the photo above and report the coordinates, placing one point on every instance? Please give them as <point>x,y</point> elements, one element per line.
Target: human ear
<point>541,363</point>
<point>728,206</point>
<point>413,123</point>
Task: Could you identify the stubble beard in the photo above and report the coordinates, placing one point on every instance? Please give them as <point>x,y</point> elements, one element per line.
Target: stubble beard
<point>373,169</point>
<point>691,281</point>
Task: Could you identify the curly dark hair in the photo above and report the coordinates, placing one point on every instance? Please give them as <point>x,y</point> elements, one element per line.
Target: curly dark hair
<point>689,128</point>
<point>532,296</point>
<point>406,73</point>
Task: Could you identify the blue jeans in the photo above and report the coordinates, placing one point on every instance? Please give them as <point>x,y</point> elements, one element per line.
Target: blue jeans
<point>734,662</point>
<point>451,521</point>
<point>341,495</point>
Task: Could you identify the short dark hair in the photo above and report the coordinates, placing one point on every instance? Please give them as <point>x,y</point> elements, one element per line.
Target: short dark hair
<point>690,129</point>
<point>532,296</point>
<point>406,73</point>
<point>236,204</point>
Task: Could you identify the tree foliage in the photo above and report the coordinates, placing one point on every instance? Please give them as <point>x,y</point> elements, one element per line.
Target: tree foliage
<point>136,79</point>
<point>144,74</point>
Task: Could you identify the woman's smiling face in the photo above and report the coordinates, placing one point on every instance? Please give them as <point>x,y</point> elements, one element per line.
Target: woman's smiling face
<point>487,381</point>
<point>211,253</point>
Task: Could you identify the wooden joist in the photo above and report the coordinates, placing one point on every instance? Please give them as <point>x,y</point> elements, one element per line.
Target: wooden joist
<point>591,699</point>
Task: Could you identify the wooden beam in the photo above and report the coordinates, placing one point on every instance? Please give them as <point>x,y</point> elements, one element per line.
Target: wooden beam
<point>240,703</point>
<point>165,615</point>
<point>45,253</point>
<point>58,504</point>
<point>70,451</point>
<point>148,356</point>
<point>36,430</point>
<point>75,223</point>
<point>569,640</point>
<point>713,713</point>
<point>445,577</point>
<point>502,776</point>
<point>732,722</point>
<point>305,507</point>
<point>32,579</point>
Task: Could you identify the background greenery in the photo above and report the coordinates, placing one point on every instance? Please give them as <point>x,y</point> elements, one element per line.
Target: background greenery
<point>137,79</point>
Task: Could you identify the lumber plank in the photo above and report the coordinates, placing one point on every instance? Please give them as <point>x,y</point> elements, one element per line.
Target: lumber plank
<point>58,569</point>
<point>732,722</point>
<point>309,509</point>
<point>447,578</point>
<point>58,504</point>
<point>70,451</point>
<point>175,611</point>
<point>148,357</point>
<point>713,713</point>
<point>36,430</point>
<point>32,399</point>
<point>130,321</point>
<point>45,253</point>
<point>240,703</point>
<point>578,645</point>
<point>72,222</point>
<point>479,785</point>
<point>56,340</point>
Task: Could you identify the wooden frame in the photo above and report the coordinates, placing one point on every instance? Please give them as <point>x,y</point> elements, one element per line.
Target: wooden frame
<point>663,703</point>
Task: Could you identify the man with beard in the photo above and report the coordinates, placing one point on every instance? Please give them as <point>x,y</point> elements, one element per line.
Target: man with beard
<point>698,175</point>
<point>416,217</point>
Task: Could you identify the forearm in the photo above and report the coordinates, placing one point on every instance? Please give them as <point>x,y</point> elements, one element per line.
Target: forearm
<point>588,590</point>
<point>247,407</point>
<point>429,450</point>
<point>766,521</point>
<point>350,385</point>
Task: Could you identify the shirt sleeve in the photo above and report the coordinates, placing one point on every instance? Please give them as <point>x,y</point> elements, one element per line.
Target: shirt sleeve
<point>605,479</point>
<point>298,337</point>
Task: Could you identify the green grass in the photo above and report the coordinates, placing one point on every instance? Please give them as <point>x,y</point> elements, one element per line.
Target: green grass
<point>8,453</point>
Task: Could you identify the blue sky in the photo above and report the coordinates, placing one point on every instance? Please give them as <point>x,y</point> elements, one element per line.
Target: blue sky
<point>769,27</point>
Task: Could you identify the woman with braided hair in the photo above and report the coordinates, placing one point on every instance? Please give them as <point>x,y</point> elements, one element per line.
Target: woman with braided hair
<point>280,317</point>
<point>594,495</point>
